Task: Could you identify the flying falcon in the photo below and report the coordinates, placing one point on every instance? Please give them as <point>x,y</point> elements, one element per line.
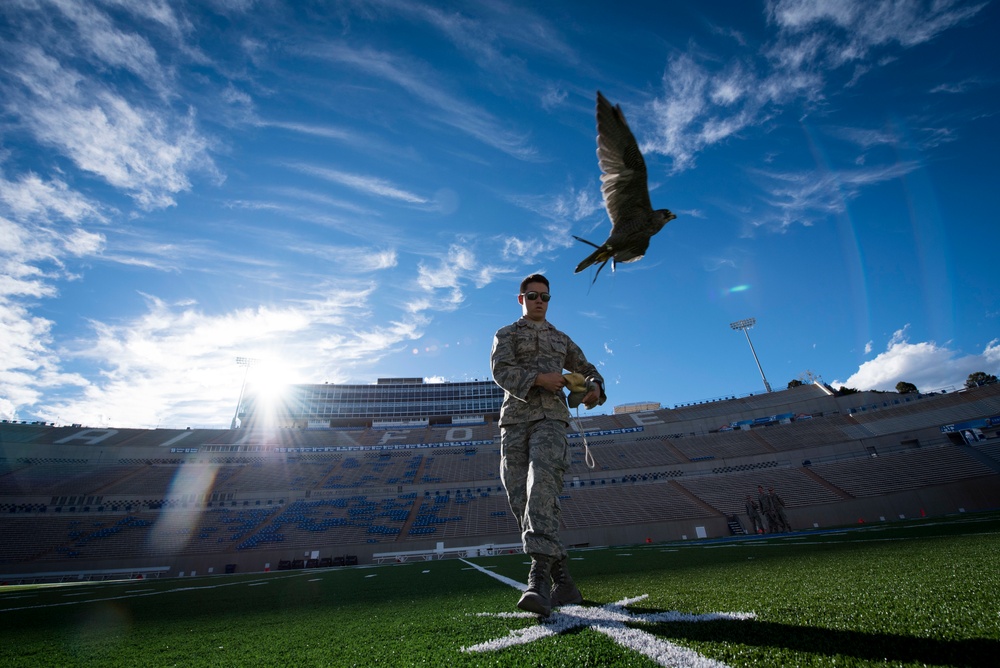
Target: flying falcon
<point>626,194</point>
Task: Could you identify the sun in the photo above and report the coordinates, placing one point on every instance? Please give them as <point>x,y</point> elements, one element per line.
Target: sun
<point>267,387</point>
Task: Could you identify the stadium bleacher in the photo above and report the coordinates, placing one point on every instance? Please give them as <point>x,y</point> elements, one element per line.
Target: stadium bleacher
<point>74,497</point>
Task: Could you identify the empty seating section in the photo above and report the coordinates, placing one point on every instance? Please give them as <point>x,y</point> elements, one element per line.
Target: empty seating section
<point>610,455</point>
<point>228,491</point>
<point>727,493</point>
<point>456,465</point>
<point>462,432</point>
<point>929,411</point>
<point>148,481</point>
<point>897,419</point>
<point>470,512</point>
<point>595,423</point>
<point>28,539</point>
<point>804,433</point>
<point>991,450</point>
<point>906,469</point>
<point>71,477</point>
<point>301,524</point>
<point>627,504</point>
<point>719,446</point>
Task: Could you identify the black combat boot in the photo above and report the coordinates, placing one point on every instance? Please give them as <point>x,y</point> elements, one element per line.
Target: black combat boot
<point>536,598</point>
<point>564,591</point>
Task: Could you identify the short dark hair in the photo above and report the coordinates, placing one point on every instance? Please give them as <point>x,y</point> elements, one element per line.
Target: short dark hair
<point>534,278</point>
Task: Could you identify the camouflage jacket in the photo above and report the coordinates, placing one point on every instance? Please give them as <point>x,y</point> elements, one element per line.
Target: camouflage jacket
<point>525,349</point>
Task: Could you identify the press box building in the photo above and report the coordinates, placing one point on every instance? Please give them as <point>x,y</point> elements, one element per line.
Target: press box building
<point>390,402</point>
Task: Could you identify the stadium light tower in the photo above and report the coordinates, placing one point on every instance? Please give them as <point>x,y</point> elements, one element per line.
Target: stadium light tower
<point>246,362</point>
<point>746,324</point>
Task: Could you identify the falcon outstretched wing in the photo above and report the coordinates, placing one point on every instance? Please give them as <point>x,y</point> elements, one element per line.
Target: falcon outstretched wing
<point>623,178</point>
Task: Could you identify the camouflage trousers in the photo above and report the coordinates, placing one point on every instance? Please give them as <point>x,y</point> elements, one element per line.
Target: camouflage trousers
<point>533,458</point>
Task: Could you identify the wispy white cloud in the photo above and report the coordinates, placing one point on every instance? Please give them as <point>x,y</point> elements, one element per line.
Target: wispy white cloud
<point>42,226</point>
<point>957,87</point>
<point>370,185</point>
<point>865,137</point>
<point>352,259</point>
<point>865,25</point>
<point>486,38</point>
<point>30,197</point>
<point>145,152</point>
<point>706,102</point>
<point>160,12</point>
<point>803,197</point>
<point>571,205</point>
<point>424,85</point>
<point>174,364</point>
<point>101,40</point>
<point>928,365</point>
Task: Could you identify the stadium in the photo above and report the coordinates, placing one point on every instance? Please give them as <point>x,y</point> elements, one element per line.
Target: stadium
<point>409,472</point>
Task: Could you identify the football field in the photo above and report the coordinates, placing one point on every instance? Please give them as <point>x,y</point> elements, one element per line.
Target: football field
<point>906,593</point>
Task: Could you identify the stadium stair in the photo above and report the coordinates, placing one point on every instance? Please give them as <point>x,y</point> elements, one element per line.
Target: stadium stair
<point>826,483</point>
<point>983,457</point>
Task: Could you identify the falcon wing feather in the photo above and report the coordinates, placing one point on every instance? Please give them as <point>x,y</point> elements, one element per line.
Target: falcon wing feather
<point>623,178</point>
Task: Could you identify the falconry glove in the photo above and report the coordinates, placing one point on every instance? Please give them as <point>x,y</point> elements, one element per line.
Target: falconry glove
<point>578,387</point>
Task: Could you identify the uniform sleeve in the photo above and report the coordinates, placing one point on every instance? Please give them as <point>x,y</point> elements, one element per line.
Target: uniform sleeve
<point>515,380</point>
<point>577,362</point>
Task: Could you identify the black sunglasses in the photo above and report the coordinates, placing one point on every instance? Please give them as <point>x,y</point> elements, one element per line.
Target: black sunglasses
<point>535,295</point>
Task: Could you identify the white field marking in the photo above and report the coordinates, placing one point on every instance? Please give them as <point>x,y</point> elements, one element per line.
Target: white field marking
<point>371,576</point>
<point>624,554</point>
<point>257,584</point>
<point>315,580</point>
<point>611,620</point>
<point>143,595</point>
<point>502,578</point>
<point>425,571</point>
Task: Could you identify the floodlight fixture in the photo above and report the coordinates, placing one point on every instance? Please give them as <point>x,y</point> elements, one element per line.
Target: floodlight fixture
<point>745,325</point>
<point>245,362</point>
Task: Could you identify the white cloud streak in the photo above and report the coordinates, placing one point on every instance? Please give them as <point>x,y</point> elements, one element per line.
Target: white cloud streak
<point>142,147</point>
<point>447,109</point>
<point>173,365</point>
<point>369,185</point>
<point>802,197</point>
<point>705,102</point>
<point>927,365</point>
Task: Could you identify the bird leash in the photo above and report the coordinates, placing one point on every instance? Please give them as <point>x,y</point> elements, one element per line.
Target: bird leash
<point>578,387</point>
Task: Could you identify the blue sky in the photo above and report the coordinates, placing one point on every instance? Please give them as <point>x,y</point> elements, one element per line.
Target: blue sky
<point>352,190</point>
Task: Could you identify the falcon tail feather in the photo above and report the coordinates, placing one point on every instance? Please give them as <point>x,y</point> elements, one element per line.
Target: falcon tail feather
<point>603,254</point>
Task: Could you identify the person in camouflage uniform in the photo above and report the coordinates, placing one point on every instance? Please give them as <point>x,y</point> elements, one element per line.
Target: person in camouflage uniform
<point>527,361</point>
<point>756,523</point>
<point>765,509</point>
<point>778,510</point>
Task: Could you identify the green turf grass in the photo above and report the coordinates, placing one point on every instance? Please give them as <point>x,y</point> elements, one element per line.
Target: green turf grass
<point>914,593</point>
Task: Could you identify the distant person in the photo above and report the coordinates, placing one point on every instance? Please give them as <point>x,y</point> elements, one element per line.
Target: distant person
<point>778,510</point>
<point>527,361</point>
<point>765,509</point>
<point>756,523</point>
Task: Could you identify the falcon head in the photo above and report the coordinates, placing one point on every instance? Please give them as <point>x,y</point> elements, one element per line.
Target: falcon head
<point>660,218</point>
